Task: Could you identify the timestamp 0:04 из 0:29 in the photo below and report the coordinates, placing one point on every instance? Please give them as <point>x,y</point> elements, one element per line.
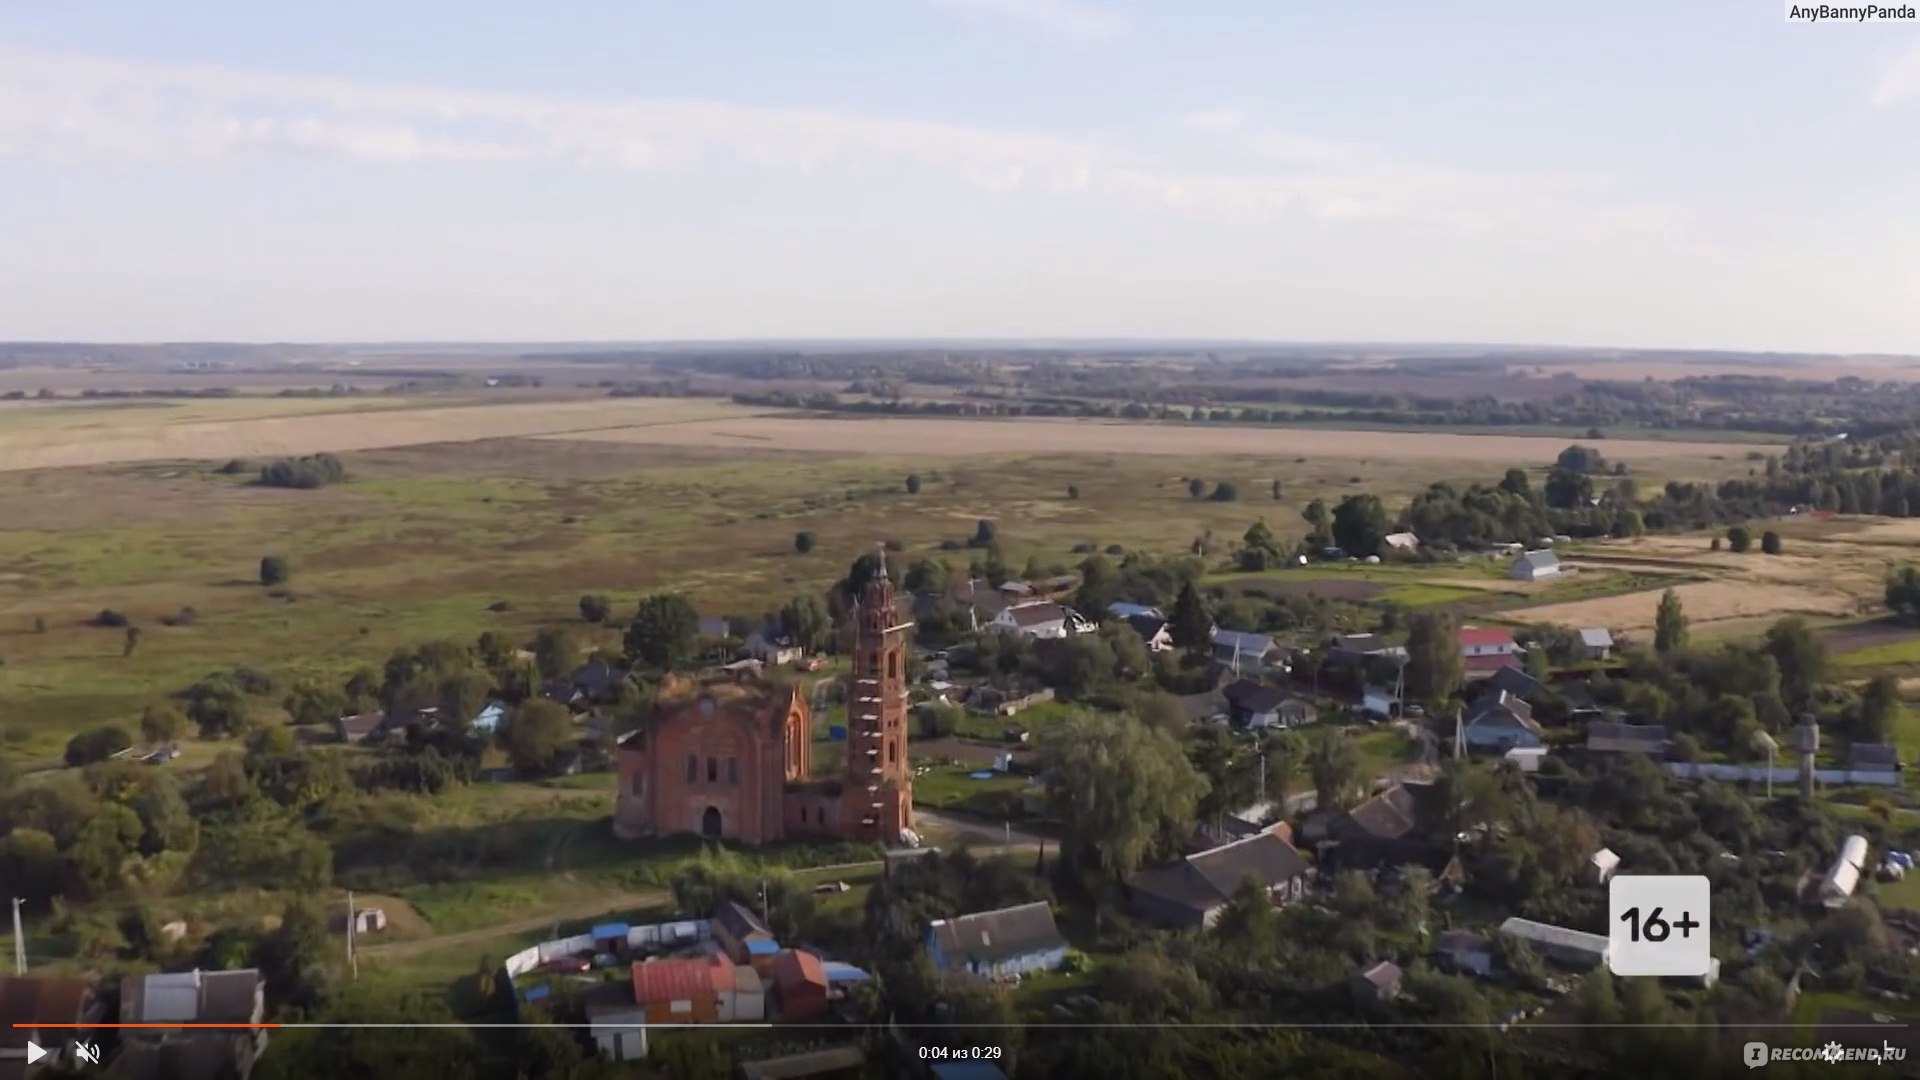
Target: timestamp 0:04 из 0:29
<point>959,1053</point>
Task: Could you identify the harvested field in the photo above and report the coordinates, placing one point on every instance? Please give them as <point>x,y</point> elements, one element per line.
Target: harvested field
<point>949,437</point>
<point>70,435</point>
<point>1705,602</point>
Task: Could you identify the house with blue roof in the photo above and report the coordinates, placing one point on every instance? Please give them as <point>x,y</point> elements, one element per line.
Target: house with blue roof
<point>487,720</point>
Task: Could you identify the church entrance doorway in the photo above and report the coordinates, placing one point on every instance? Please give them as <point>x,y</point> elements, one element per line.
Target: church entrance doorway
<point>710,823</point>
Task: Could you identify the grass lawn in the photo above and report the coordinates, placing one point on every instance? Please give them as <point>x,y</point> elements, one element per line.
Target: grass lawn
<point>1382,749</point>
<point>952,787</point>
<point>1425,595</point>
<point>1891,654</point>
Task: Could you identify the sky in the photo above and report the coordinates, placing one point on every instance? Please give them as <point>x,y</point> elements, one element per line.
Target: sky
<point>1632,174</point>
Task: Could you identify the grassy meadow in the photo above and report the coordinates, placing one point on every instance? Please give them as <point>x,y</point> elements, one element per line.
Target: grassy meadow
<point>450,540</point>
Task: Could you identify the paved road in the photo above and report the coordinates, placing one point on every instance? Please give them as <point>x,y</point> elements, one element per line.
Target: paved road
<point>988,833</point>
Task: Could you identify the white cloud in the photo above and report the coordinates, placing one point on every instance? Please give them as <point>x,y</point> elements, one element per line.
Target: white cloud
<point>1224,118</point>
<point>1067,18</point>
<point>1899,78</point>
<point>76,108</point>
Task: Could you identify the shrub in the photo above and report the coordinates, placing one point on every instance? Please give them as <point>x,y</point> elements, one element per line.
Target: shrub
<point>1073,491</point>
<point>304,473</point>
<point>232,468</point>
<point>97,744</point>
<point>913,483</point>
<point>803,542</point>
<point>1770,542</point>
<point>186,616</point>
<point>1739,539</point>
<point>500,605</point>
<point>595,609</point>
<point>1224,491</point>
<point>274,570</point>
<point>110,618</point>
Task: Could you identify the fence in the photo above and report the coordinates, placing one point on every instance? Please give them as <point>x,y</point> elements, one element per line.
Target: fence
<point>684,932</point>
<point>1782,774</point>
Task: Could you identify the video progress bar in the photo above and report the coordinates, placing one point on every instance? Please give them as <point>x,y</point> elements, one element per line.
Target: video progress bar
<point>1356,1025</point>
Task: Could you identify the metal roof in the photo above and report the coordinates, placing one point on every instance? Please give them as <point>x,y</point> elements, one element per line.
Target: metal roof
<point>1558,936</point>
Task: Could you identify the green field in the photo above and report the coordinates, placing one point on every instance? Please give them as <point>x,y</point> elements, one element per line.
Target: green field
<point>953,787</point>
<point>450,541</point>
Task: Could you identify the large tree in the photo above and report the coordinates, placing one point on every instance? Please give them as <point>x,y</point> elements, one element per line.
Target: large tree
<point>1190,625</point>
<point>662,632</point>
<point>806,622</point>
<point>1669,624</point>
<point>1319,521</point>
<point>1802,658</point>
<point>1879,704</point>
<point>1122,789</point>
<point>1334,764</point>
<point>536,734</point>
<point>557,652</point>
<point>1360,524</point>
<point>1259,550</point>
<point>1435,668</point>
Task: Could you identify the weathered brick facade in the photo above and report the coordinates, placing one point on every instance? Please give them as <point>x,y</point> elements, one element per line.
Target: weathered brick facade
<point>731,758</point>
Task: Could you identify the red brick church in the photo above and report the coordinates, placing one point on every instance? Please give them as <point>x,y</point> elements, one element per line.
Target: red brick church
<point>732,758</point>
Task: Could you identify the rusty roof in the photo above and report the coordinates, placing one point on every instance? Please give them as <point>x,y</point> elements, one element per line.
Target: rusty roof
<point>677,980</point>
<point>796,966</point>
<point>39,1000</point>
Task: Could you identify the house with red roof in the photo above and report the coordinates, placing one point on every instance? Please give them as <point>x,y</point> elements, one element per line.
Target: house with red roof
<point>681,991</point>
<point>1487,649</point>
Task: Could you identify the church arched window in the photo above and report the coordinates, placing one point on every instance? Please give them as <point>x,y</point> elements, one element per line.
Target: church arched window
<point>893,753</point>
<point>893,665</point>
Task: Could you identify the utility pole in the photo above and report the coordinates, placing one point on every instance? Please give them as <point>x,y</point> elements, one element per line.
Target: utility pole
<point>19,940</point>
<point>353,962</point>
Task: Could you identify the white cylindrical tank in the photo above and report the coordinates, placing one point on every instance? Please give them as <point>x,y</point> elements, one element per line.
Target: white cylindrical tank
<point>1854,851</point>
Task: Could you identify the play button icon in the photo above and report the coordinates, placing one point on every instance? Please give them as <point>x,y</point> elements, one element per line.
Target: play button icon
<point>34,1053</point>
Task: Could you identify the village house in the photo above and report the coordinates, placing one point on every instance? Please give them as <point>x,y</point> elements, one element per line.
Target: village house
<point>1604,737</point>
<point>1388,833</point>
<point>1154,631</point>
<point>1192,891</point>
<point>1400,541</point>
<point>1499,723</point>
<point>1488,649</point>
<point>1246,654</point>
<point>715,626</point>
<point>1257,706</point>
<point>1535,565</point>
<point>1843,877</point>
<point>1596,643</point>
<point>685,991</point>
<point>1377,984</point>
<point>188,998</point>
<point>1515,681</point>
<point>1122,609</point>
<point>359,727</point>
<point>997,944</point>
<point>597,681</point>
<point>1041,619</point>
<point>1575,948</point>
<point>1016,591</point>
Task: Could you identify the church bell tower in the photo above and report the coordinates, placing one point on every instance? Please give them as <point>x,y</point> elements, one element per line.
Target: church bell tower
<point>879,776</point>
